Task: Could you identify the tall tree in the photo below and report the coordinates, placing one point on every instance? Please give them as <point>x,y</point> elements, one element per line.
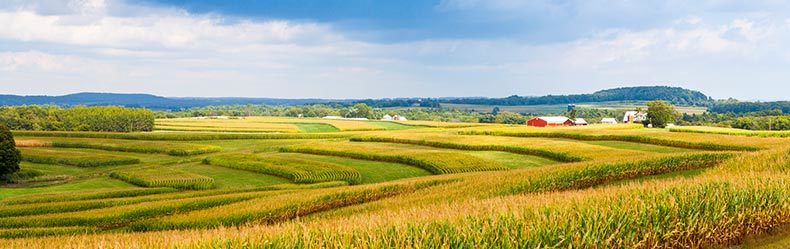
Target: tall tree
<point>660,113</point>
<point>9,155</point>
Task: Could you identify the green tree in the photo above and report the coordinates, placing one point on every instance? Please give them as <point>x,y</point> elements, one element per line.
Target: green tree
<point>9,155</point>
<point>362,111</point>
<point>510,118</point>
<point>495,111</point>
<point>660,113</point>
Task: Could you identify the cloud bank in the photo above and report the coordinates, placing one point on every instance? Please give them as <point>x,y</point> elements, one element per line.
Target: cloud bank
<point>723,48</point>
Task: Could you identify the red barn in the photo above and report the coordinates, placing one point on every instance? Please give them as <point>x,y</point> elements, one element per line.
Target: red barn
<point>549,121</point>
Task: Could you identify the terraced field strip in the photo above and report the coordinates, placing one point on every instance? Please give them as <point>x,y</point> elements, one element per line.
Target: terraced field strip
<point>435,161</point>
<point>730,131</point>
<point>73,158</point>
<point>46,231</point>
<point>316,127</point>
<point>169,148</point>
<point>281,208</point>
<point>553,155</point>
<point>391,125</point>
<point>577,177</point>
<point>223,125</point>
<point>230,130</point>
<point>180,136</point>
<point>624,138</point>
<point>83,195</point>
<point>436,124</point>
<point>82,205</point>
<point>164,177</point>
<point>343,125</point>
<point>287,166</point>
<point>118,216</point>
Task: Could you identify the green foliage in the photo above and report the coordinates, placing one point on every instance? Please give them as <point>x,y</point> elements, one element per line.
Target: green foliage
<point>557,156</point>
<point>287,166</point>
<point>660,113</point>
<point>97,118</point>
<point>676,95</point>
<point>734,106</point>
<point>164,177</point>
<point>624,138</point>
<point>509,118</point>
<point>9,155</point>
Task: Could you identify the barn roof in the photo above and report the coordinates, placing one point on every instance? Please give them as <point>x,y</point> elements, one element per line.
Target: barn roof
<point>554,120</point>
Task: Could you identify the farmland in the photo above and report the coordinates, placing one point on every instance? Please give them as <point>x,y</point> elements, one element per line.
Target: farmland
<point>323,183</point>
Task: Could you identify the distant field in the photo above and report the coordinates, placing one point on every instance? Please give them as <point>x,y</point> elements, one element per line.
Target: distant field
<point>315,183</point>
<point>555,109</point>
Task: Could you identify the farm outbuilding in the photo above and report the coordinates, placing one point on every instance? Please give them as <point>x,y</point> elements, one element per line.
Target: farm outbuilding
<point>634,116</point>
<point>608,121</point>
<point>549,121</point>
<point>580,121</point>
<point>387,117</point>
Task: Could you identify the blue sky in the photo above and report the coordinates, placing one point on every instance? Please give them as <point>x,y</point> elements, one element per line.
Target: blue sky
<point>368,48</point>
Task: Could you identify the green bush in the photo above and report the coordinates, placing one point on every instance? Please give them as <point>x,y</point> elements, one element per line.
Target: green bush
<point>9,155</point>
<point>95,118</point>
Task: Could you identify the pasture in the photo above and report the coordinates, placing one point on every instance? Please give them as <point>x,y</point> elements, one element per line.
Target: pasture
<point>322,183</point>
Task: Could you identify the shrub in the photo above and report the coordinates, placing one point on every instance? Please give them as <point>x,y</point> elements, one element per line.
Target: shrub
<point>9,154</point>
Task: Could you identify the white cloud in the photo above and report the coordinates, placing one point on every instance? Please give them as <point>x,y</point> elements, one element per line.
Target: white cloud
<point>86,46</point>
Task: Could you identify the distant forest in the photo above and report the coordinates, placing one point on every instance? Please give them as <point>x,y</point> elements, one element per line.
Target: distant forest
<point>674,95</point>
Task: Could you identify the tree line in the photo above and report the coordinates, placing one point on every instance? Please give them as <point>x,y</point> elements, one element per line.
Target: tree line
<point>81,118</point>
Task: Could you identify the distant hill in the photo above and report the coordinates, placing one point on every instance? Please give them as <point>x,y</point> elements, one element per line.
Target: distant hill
<point>676,95</point>
<point>145,100</point>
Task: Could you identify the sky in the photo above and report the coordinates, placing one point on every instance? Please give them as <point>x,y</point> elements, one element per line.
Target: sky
<point>383,48</point>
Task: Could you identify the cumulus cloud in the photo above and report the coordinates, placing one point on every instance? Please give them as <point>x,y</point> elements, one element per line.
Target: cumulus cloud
<point>110,45</point>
